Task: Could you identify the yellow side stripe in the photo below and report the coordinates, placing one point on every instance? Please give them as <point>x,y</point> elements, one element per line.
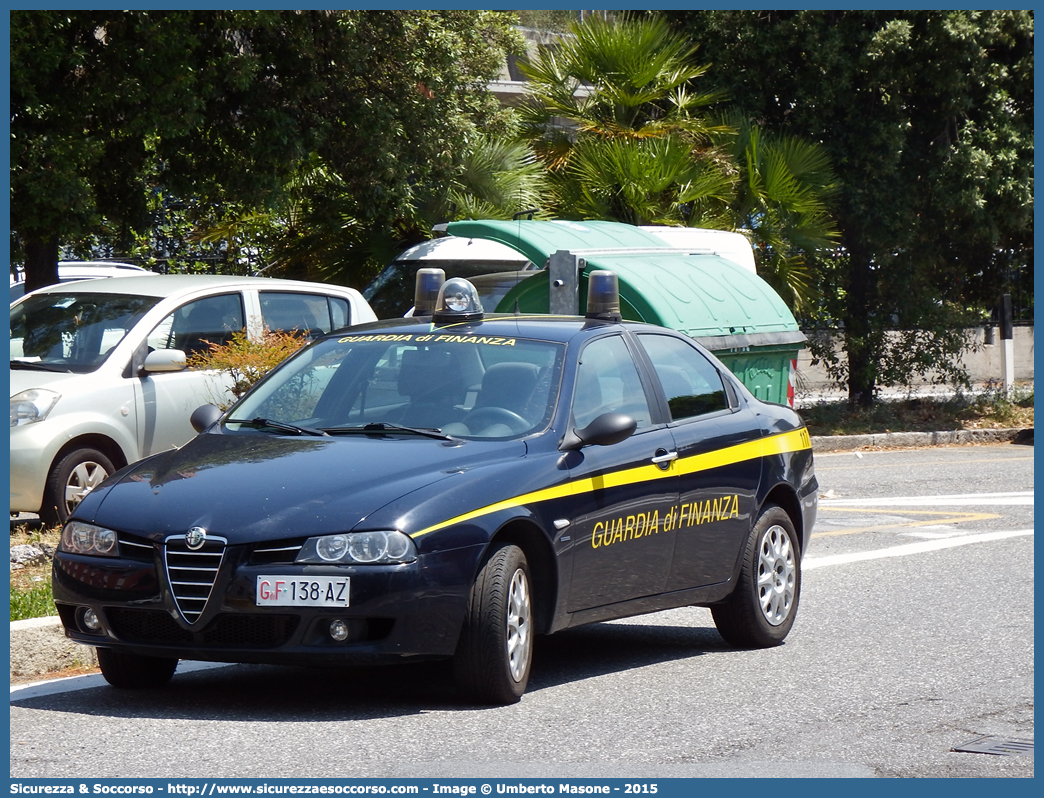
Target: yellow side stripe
<point>792,441</point>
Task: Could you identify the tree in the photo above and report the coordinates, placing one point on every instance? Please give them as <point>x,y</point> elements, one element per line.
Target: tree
<point>221,109</point>
<point>643,146</point>
<point>781,198</point>
<point>928,119</point>
<point>636,145</point>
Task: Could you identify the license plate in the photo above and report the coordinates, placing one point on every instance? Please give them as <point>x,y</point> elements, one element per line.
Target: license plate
<point>316,591</point>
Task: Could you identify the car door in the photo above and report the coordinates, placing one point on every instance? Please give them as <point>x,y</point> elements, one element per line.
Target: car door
<point>718,475</point>
<point>165,400</point>
<point>621,545</point>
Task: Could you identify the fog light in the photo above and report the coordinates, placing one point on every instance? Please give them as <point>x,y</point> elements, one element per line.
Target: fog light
<point>338,630</point>
<point>91,621</point>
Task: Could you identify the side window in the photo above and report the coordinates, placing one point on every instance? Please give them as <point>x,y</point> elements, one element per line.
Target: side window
<point>607,382</point>
<point>308,314</point>
<point>196,324</point>
<point>692,385</point>
<point>340,315</point>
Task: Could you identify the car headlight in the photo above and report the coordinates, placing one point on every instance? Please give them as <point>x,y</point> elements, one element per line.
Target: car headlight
<point>81,538</point>
<point>359,548</point>
<point>31,406</point>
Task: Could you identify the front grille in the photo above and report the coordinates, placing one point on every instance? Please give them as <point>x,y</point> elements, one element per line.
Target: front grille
<point>147,626</point>
<point>191,573</point>
<point>276,551</point>
<point>250,631</point>
<point>155,627</point>
<point>137,548</point>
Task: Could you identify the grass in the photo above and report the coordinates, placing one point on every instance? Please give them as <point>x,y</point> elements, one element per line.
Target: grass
<point>33,602</point>
<point>31,586</point>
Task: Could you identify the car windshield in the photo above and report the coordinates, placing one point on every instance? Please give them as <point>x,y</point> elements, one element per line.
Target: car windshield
<point>392,291</point>
<point>72,331</point>
<point>463,385</point>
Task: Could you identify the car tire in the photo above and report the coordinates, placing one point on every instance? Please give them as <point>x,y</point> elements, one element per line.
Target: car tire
<point>495,651</point>
<point>134,671</point>
<point>760,611</point>
<point>72,478</point>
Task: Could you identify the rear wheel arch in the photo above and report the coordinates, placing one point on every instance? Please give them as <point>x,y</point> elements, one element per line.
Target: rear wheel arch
<point>783,496</point>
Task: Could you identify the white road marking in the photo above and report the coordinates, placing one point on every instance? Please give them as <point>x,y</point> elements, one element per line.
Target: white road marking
<point>1014,499</point>
<point>911,548</point>
<point>20,692</point>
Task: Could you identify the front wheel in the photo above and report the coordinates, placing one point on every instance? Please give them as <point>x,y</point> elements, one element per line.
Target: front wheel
<point>71,479</point>
<point>123,669</point>
<point>760,611</point>
<point>495,651</point>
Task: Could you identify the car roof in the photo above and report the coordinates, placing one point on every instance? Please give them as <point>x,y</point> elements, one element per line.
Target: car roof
<point>505,325</point>
<point>92,268</point>
<point>164,285</point>
<point>460,248</point>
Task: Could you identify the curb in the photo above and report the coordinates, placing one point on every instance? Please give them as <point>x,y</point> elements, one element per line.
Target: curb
<point>885,440</point>
<point>39,645</point>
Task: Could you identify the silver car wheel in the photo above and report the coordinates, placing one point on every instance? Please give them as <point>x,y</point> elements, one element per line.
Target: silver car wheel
<point>777,574</point>
<point>84,478</point>
<point>519,631</point>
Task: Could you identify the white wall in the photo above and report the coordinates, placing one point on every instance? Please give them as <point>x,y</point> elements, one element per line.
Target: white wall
<point>982,362</point>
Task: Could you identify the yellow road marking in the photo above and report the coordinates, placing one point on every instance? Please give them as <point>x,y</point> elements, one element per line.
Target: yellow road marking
<point>941,518</point>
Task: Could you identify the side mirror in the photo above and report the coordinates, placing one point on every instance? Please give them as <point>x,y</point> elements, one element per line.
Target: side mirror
<point>605,430</point>
<point>204,417</point>
<point>160,360</point>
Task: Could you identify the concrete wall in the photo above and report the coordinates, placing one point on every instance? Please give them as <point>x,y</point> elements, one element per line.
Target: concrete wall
<point>982,362</point>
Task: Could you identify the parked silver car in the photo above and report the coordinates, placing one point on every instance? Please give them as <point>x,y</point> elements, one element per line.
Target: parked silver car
<point>98,374</point>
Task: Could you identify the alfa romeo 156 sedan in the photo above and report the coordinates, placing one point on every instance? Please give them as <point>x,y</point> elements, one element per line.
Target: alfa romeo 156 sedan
<point>448,486</point>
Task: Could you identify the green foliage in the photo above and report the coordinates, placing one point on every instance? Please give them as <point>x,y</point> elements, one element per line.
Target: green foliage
<point>644,148</point>
<point>927,116</point>
<point>247,361</point>
<point>781,198</point>
<point>32,602</point>
<point>497,178</point>
<point>220,109</point>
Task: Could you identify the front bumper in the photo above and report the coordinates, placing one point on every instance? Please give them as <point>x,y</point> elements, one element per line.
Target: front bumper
<point>395,612</point>
<point>33,448</point>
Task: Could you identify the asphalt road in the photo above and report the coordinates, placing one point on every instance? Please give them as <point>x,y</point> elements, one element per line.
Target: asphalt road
<point>915,636</point>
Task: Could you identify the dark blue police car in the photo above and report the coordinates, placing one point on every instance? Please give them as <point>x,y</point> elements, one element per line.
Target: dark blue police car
<point>448,486</point>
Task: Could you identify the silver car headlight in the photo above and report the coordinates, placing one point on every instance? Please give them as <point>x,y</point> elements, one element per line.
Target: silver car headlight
<point>359,548</point>
<point>31,406</point>
<point>81,538</point>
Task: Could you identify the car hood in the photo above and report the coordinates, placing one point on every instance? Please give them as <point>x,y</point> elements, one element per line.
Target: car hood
<point>261,486</point>
<point>25,379</point>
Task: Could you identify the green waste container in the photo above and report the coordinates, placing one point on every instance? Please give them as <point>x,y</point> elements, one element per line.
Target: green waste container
<point>715,300</point>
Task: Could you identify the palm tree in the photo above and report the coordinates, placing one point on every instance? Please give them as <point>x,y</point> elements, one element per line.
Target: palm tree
<point>611,115</point>
<point>497,178</point>
<point>781,201</point>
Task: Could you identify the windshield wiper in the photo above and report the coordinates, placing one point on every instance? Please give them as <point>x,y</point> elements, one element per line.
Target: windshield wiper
<point>383,426</point>
<point>282,426</point>
<point>33,365</point>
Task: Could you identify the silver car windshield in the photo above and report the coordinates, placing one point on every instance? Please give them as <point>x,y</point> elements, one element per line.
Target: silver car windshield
<point>463,385</point>
<point>72,331</point>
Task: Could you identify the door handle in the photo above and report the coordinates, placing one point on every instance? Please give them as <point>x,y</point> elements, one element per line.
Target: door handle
<point>662,457</point>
